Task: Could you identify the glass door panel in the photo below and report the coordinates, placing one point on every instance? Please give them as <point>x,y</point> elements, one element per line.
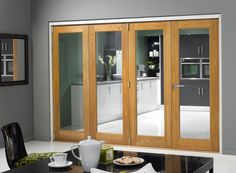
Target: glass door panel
<point>71,81</point>
<point>109,82</point>
<point>150,109</point>
<point>69,60</point>
<point>194,113</point>
<point>150,84</point>
<point>195,83</point>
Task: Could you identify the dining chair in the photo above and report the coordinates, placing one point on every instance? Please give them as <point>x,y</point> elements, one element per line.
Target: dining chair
<point>16,154</point>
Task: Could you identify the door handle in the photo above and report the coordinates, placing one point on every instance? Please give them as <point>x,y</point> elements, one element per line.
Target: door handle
<point>198,49</point>
<point>199,91</point>
<point>202,91</point>
<point>2,47</point>
<point>202,50</point>
<point>6,47</point>
<point>178,86</point>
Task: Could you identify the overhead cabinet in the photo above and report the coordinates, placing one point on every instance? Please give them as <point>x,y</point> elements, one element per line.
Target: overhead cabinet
<point>6,46</point>
<point>194,45</point>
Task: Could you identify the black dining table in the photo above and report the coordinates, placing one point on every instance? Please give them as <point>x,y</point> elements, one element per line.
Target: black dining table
<point>161,163</point>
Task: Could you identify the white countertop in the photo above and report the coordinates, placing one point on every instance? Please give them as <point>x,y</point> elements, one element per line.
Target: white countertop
<point>119,81</point>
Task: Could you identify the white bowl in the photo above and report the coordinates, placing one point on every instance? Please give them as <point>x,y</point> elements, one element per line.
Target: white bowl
<point>146,169</point>
<point>94,170</point>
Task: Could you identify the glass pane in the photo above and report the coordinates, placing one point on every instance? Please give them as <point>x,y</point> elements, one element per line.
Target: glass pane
<point>194,74</point>
<point>12,60</point>
<point>150,101</point>
<point>71,81</point>
<point>109,82</point>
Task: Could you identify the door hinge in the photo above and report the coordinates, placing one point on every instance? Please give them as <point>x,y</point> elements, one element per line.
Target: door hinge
<point>52,29</point>
<point>128,26</point>
<point>129,141</point>
<point>129,84</point>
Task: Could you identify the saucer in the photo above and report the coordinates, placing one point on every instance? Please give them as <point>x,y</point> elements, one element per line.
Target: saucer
<point>139,161</point>
<point>54,165</point>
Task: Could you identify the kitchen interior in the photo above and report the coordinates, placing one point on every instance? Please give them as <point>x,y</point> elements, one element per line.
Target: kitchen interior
<point>194,82</point>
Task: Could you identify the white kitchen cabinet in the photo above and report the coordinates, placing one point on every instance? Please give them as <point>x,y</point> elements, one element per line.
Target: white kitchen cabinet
<point>154,94</point>
<point>148,95</point>
<point>139,107</point>
<point>109,101</point>
<point>103,107</point>
<point>145,95</point>
<point>77,106</point>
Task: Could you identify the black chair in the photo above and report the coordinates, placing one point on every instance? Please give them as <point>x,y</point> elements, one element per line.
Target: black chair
<point>15,148</point>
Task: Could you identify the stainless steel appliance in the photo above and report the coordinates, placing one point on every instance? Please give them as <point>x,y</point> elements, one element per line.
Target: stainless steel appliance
<point>205,68</point>
<point>195,68</point>
<point>190,68</point>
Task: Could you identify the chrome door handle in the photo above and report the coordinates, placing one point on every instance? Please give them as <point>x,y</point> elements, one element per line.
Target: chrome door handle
<point>2,47</point>
<point>199,91</point>
<point>202,49</point>
<point>198,49</point>
<point>178,86</point>
<point>6,47</point>
<point>202,91</point>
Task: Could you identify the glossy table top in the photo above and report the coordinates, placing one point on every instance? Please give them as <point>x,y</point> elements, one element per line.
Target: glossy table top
<point>160,162</point>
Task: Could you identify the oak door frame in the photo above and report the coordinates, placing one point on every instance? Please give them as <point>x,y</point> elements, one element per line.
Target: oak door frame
<point>141,140</point>
<point>69,135</point>
<point>171,140</point>
<point>109,137</point>
<point>197,144</point>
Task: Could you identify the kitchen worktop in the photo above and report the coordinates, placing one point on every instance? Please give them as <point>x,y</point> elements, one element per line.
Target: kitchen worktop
<point>119,81</point>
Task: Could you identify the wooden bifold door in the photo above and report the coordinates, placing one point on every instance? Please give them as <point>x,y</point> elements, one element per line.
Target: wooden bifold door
<point>144,84</point>
<point>195,85</point>
<point>150,76</point>
<point>70,83</point>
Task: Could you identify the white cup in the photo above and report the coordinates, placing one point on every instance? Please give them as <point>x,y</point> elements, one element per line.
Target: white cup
<point>59,158</point>
<point>151,53</point>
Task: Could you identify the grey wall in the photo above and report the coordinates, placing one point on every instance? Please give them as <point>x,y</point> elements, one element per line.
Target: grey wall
<point>16,101</point>
<point>58,10</point>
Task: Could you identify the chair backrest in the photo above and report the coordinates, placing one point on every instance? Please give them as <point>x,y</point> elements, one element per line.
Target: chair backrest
<point>14,143</point>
